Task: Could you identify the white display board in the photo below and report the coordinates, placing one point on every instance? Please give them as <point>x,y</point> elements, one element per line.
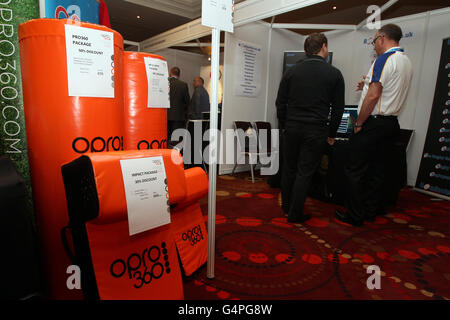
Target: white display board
<point>158,83</point>
<point>218,14</point>
<point>90,62</point>
<point>146,193</point>
<point>248,69</point>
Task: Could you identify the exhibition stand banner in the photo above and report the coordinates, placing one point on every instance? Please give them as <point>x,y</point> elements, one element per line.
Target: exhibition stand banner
<point>13,140</point>
<point>248,61</point>
<point>61,127</point>
<point>434,171</point>
<point>146,99</point>
<point>78,10</point>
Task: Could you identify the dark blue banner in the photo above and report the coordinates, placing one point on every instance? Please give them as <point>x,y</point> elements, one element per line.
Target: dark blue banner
<point>434,171</point>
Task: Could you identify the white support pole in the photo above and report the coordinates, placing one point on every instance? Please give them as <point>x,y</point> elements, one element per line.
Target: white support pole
<point>385,6</point>
<point>213,152</point>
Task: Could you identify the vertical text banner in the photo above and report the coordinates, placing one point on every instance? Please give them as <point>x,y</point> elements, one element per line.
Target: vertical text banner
<point>434,171</point>
<point>248,62</point>
<point>158,83</point>
<point>13,139</point>
<point>218,14</point>
<point>146,193</point>
<point>90,62</point>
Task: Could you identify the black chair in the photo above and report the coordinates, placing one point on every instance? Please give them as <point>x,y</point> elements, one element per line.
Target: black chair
<point>264,147</point>
<point>247,144</point>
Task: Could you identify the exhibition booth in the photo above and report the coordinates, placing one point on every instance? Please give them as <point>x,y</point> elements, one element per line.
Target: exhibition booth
<point>96,154</point>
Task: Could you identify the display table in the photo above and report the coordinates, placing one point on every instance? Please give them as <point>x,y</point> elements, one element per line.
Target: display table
<point>328,183</point>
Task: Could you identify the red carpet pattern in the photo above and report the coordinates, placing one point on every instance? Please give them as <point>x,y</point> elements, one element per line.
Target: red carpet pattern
<point>259,255</point>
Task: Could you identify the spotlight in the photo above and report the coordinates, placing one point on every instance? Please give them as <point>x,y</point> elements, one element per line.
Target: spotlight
<point>334,7</point>
<point>138,17</point>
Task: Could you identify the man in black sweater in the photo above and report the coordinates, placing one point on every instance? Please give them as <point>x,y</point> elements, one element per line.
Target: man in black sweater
<point>307,92</point>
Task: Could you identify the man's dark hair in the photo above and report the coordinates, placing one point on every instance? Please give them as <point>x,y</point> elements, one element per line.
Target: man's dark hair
<point>392,32</point>
<point>175,71</point>
<point>314,43</point>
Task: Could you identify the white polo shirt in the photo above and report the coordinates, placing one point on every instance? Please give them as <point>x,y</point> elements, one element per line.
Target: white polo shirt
<point>393,70</point>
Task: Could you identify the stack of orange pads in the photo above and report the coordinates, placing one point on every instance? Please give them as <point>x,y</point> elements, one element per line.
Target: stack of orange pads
<point>60,129</point>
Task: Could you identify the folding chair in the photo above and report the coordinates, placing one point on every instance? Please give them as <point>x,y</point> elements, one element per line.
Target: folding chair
<point>247,144</point>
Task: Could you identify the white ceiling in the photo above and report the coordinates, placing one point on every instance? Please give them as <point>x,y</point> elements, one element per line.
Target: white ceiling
<point>186,8</point>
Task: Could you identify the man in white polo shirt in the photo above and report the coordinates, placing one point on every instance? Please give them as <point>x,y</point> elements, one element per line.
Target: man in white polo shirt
<point>384,91</point>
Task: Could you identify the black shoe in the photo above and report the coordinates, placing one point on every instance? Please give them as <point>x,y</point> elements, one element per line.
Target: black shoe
<point>303,218</point>
<point>371,219</point>
<point>344,217</point>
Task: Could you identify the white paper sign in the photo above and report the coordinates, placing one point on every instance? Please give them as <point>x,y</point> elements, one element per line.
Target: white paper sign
<point>218,14</point>
<point>158,83</point>
<point>90,62</point>
<point>146,193</point>
<point>248,63</point>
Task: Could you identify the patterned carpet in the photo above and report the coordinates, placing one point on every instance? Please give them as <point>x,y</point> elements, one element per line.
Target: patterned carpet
<point>259,255</point>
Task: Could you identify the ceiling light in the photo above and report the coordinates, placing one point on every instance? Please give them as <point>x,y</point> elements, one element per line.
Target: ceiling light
<point>334,7</point>
<point>138,17</point>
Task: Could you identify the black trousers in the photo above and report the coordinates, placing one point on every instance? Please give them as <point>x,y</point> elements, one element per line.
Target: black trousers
<point>303,149</point>
<point>370,150</point>
<point>172,125</point>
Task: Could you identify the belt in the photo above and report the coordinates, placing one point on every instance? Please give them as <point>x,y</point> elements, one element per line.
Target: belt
<point>379,116</point>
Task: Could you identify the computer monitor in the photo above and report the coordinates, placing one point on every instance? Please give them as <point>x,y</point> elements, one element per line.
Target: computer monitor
<point>292,57</point>
<point>348,118</point>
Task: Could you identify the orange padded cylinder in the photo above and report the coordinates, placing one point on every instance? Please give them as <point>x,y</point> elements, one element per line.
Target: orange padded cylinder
<point>111,191</point>
<point>145,128</point>
<point>59,129</point>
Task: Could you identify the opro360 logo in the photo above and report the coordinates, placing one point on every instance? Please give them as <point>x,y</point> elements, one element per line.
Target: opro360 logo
<point>193,235</point>
<point>155,144</point>
<point>145,267</point>
<point>98,144</point>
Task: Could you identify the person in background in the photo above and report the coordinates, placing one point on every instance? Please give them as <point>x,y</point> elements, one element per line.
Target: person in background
<point>307,92</point>
<point>384,91</point>
<point>179,100</point>
<point>199,101</point>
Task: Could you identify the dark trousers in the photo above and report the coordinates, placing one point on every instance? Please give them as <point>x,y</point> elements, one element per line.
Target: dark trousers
<point>367,163</point>
<point>303,149</point>
<point>172,125</point>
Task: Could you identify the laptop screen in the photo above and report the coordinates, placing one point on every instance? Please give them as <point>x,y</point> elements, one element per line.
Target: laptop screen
<point>348,118</point>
